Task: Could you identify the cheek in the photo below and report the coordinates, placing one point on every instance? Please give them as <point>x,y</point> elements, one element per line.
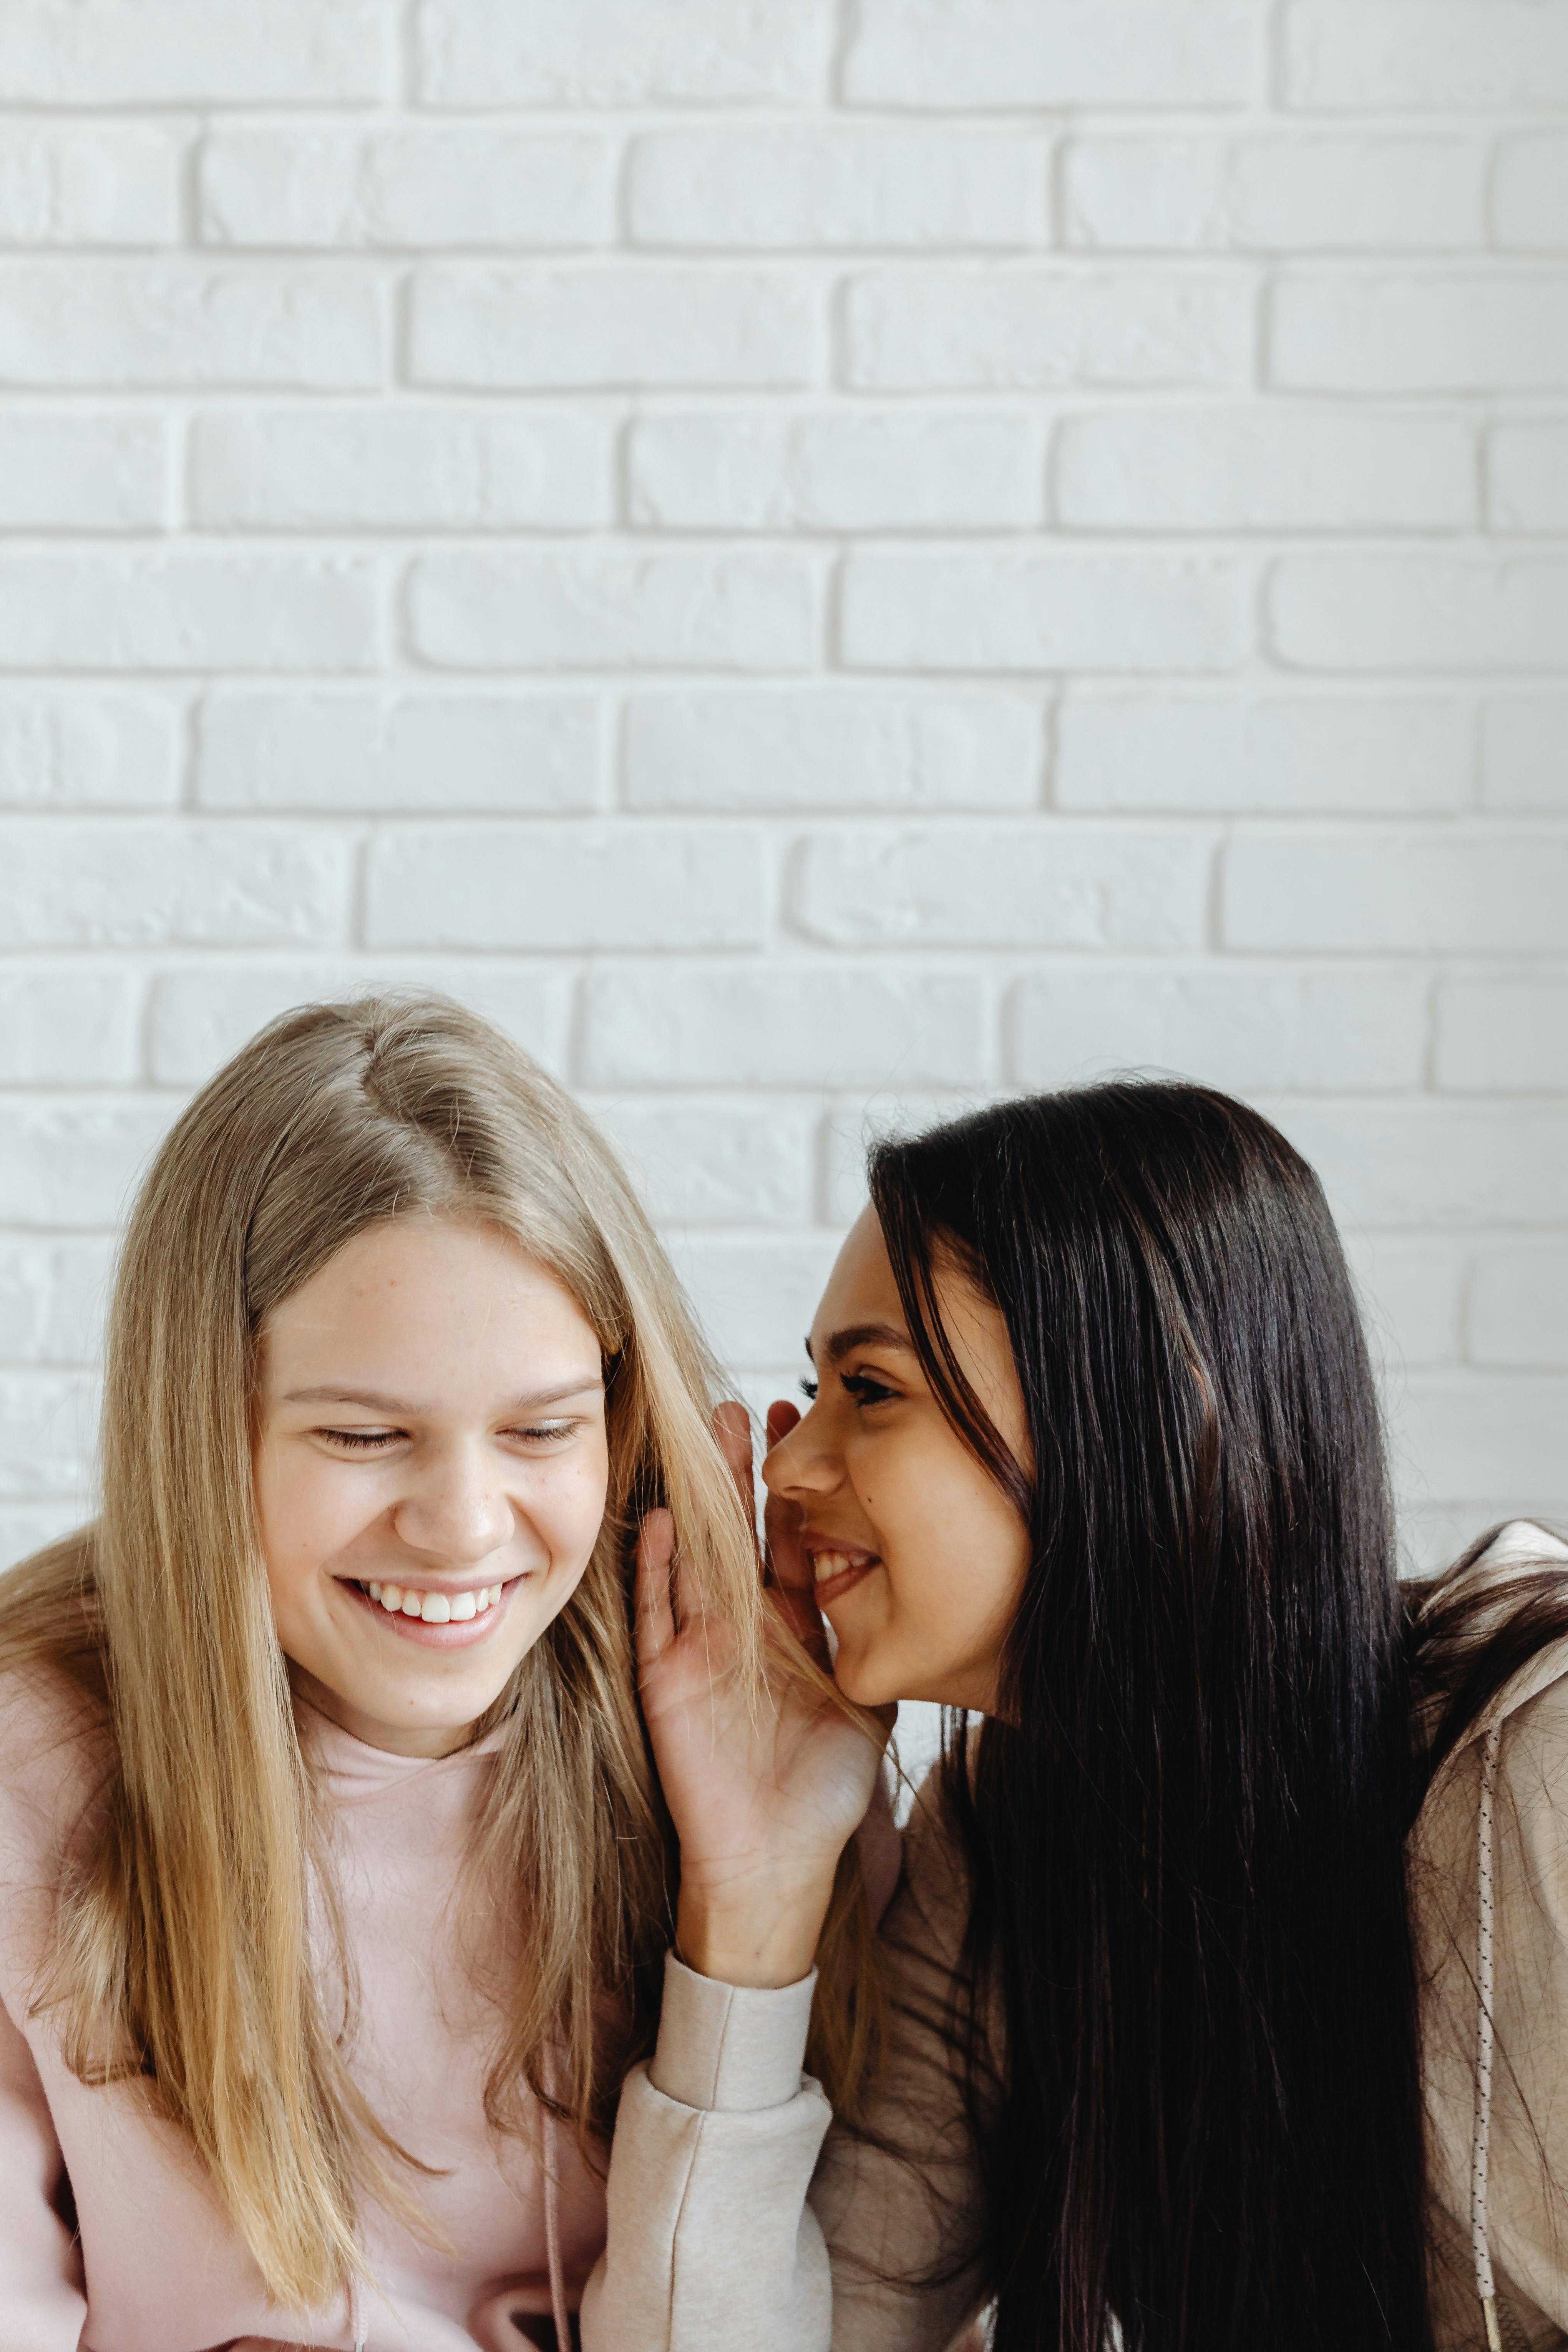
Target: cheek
<point>568,1506</point>
<point>309,1508</point>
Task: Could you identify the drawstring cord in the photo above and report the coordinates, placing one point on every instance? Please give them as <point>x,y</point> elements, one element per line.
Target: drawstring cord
<point>553,2227</point>
<point>1480,2144</point>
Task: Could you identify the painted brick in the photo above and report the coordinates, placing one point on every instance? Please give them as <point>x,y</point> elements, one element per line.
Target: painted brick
<point>715,1163</point>
<point>1482,1435</point>
<point>1029,330</point>
<point>102,325</point>
<point>162,884</point>
<point>60,1026</point>
<point>1527,477</point>
<point>385,752</point>
<point>1517,1310</point>
<point>555,330</point>
<point>1530,193</point>
<point>1244,1029</point>
<point>851,1128</point>
<point>187,613</point>
<point>81,749</point>
<point>1426,1164</point>
<point>198,1017</point>
<point>755,1296</point>
<point>1373,888</point>
<point>1507,1036</point>
<point>622,52</point>
<point>1420,613</point>
<point>1047,611</point>
<point>1524,752</point>
<point>247,53</point>
<point>1449,332</point>
<point>1250,470</point>
<point>82,473</point>
<point>886,471</point>
<point>68,184</point>
<point>1273,194</point>
<point>1250,752</point>
<point>764,750</point>
<point>781,1025</point>
<point>401,469</point>
<point>1411,1288</point>
<point>26,1527</point>
<point>53,1293</point>
<point>405,188</point>
<point>1010,53</point>
<point>632,611</point>
<point>1049,886</point>
<point>65,1162</point>
<point>549,886</point>
<point>46,1425</point>
<point>837,187</point>
<point>1444,54</point>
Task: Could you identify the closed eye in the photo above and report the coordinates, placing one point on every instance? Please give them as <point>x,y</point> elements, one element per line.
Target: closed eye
<point>809,1389</point>
<point>362,1441</point>
<point>865,1389</point>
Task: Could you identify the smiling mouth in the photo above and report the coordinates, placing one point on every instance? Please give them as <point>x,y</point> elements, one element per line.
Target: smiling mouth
<point>833,1571</point>
<point>442,1620</point>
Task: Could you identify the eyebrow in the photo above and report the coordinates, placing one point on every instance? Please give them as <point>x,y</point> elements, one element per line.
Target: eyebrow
<point>862,1335</point>
<point>398,1408</point>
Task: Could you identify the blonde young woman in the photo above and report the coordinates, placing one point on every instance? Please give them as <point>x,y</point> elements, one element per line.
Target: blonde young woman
<point>334,1880</point>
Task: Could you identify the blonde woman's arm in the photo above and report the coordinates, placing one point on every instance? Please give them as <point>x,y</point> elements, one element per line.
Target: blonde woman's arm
<point>41,2285</point>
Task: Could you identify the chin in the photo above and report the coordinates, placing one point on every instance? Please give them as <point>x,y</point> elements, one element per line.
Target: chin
<point>858,1679</point>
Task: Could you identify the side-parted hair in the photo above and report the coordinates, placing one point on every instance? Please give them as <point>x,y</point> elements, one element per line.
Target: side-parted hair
<point>1200,2121</point>
<point>181,1954</point>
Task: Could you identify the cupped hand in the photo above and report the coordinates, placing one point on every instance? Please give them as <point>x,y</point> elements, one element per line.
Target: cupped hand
<point>764,1791</point>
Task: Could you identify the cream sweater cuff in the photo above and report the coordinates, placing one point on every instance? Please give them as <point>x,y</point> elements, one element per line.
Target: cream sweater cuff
<point>730,2047</point>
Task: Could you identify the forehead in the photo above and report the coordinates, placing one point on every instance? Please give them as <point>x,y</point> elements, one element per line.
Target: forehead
<point>408,1284</point>
<point>860,1288</point>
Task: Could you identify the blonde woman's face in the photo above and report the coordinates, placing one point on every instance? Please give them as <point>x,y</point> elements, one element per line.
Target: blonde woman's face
<point>431,1469</point>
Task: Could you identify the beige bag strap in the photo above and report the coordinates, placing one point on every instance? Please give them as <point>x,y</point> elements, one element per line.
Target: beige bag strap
<point>1480,2142</point>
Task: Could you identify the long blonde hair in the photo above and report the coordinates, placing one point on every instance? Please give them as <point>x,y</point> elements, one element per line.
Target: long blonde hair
<point>181,1953</point>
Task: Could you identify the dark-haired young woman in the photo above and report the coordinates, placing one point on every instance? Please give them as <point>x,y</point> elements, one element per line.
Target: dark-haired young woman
<point>1093,1452</point>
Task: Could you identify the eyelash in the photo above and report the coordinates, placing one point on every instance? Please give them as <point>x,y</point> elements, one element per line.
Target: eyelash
<point>361,1441</point>
<point>860,1385</point>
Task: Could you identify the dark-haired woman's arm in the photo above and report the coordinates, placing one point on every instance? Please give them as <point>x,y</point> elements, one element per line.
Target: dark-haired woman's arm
<point>728,2228</point>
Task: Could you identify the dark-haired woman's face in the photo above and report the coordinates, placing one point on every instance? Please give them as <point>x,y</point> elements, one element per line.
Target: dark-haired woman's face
<point>919,1557</point>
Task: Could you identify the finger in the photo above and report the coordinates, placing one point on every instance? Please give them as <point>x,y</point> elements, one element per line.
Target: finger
<point>655,1614</point>
<point>790,1570</point>
<point>782,1417</point>
<point>732,1428</point>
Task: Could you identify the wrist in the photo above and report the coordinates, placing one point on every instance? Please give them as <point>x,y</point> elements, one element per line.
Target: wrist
<point>763,1938</point>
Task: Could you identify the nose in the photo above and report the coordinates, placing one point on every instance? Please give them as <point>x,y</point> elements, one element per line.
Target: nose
<point>801,1462</point>
<point>457,1511</point>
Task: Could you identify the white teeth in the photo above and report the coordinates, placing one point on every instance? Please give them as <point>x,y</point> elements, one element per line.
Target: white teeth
<point>436,1608</point>
<point>826,1564</point>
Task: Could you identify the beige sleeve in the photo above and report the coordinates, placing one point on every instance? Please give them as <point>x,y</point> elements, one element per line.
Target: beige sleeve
<point>1527,2190</point>
<point>727,2228</point>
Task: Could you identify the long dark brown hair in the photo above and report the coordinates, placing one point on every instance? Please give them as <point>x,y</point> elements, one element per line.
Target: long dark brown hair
<point>1184,1828</point>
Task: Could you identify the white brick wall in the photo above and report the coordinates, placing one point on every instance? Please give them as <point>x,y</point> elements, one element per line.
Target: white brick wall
<point>817,562</point>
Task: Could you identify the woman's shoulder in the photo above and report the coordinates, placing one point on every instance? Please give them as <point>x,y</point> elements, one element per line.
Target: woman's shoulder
<point>55,1747</point>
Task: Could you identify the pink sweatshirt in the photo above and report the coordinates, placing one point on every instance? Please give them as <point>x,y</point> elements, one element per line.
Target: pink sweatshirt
<point>155,2267</point>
